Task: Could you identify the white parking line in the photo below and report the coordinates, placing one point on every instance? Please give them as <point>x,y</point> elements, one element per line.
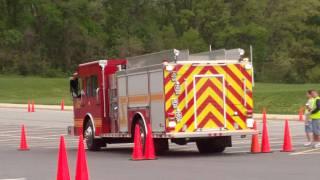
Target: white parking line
<point>55,147</point>
<point>28,137</point>
<point>309,151</point>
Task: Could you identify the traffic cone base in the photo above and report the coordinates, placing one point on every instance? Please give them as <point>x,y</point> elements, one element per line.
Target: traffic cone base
<point>137,153</point>
<point>24,149</point>
<point>287,150</point>
<point>137,159</point>
<point>149,152</point>
<point>23,140</point>
<point>266,151</point>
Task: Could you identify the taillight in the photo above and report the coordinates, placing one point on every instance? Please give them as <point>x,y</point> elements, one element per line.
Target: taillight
<point>171,121</point>
<point>170,115</point>
<point>249,120</point>
<point>249,113</point>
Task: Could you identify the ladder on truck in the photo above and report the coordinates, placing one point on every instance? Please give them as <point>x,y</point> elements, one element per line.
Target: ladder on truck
<point>176,56</point>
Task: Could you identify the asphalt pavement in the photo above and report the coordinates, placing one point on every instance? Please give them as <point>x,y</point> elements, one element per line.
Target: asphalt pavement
<point>44,128</point>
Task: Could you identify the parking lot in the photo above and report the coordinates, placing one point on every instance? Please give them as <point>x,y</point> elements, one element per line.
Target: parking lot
<point>182,162</point>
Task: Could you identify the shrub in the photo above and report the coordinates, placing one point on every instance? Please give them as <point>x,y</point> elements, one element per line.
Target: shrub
<point>314,74</point>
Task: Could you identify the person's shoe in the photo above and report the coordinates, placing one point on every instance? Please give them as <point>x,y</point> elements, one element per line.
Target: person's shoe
<point>316,145</point>
<point>307,144</point>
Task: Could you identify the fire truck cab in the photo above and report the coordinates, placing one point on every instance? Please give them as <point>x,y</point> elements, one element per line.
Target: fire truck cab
<point>204,98</point>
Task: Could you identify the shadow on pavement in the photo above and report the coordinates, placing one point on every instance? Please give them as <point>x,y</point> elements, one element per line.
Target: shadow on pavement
<point>172,153</point>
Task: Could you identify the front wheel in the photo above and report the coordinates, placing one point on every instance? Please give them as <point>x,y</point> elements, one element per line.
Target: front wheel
<point>92,143</point>
<point>142,135</point>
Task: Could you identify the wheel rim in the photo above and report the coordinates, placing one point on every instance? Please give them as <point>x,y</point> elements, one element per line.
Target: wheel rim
<point>88,135</point>
<point>142,136</point>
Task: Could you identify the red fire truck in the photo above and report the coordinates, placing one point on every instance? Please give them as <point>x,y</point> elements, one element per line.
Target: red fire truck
<point>204,98</point>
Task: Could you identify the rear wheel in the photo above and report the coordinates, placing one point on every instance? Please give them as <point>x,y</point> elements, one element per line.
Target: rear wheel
<point>213,145</point>
<point>161,146</point>
<point>92,143</point>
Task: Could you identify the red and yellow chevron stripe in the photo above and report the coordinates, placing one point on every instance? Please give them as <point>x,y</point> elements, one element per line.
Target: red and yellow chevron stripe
<point>210,96</point>
<point>209,102</point>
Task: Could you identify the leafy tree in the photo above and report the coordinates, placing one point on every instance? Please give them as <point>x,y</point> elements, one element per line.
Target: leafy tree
<point>191,40</point>
<point>51,37</point>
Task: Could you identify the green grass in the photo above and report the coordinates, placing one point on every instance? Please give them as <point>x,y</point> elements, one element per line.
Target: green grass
<point>17,89</point>
<point>281,98</point>
<point>276,98</point>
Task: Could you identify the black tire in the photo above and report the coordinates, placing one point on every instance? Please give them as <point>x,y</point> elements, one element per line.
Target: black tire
<point>92,143</point>
<point>143,134</point>
<point>209,146</point>
<point>161,146</point>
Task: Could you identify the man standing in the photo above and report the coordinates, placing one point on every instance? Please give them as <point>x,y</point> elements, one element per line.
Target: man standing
<point>315,118</point>
<point>308,122</point>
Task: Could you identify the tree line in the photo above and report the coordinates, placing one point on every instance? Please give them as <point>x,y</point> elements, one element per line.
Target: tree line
<point>50,37</point>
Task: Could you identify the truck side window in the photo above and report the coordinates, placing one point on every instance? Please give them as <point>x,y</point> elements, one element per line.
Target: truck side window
<point>91,86</point>
<point>94,81</point>
<point>88,86</point>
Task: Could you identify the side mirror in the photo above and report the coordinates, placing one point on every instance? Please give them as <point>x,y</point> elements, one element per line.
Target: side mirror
<point>82,93</point>
<point>97,95</point>
<point>74,87</point>
<point>74,94</point>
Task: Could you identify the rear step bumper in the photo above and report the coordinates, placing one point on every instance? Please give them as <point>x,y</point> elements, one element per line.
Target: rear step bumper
<point>199,134</point>
<point>212,133</point>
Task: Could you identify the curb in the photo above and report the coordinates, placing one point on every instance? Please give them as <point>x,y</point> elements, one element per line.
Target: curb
<point>279,117</point>
<point>37,106</point>
<point>70,108</point>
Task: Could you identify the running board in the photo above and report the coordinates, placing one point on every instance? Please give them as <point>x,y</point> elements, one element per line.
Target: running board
<point>187,134</point>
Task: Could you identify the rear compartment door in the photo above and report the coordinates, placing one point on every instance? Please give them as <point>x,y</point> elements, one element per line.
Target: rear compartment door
<point>209,102</point>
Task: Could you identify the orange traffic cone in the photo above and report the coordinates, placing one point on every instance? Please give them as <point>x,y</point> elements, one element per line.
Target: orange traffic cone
<point>29,106</point>
<point>149,152</point>
<point>137,147</point>
<point>287,146</point>
<point>23,140</point>
<point>301,114</point>
<point>63,168</point>
<point>255,147</point>
<point>82,169</point>
<point>264,115</point>
<point>265,146</point>
<point>62,105</point>
<point>32,106</point>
